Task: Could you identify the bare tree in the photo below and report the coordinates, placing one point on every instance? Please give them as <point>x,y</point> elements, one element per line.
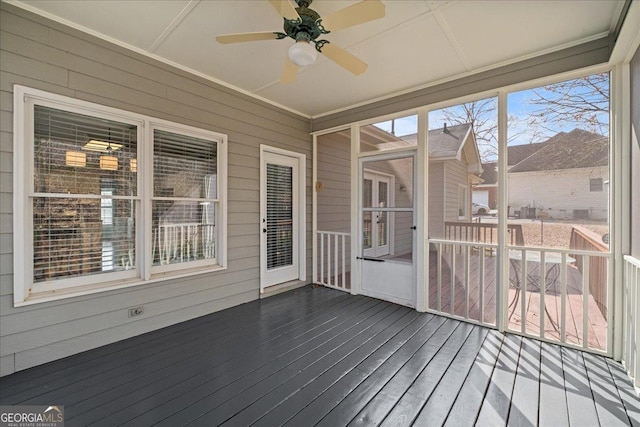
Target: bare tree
<point>582,102</point>
<point>484,116</point>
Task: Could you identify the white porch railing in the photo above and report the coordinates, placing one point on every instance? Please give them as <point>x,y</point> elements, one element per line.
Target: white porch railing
<point>555,297</point>
<point>462,277</point>
<point>548,295</point>
<point>631,318</point>
<point>184,242</point>
<point>332,260</point>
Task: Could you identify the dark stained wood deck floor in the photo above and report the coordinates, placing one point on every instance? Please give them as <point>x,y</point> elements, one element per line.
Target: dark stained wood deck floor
<point>318,356</point>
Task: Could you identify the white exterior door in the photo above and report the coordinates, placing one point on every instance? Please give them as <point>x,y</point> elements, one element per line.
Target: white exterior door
<point>281,216</point>
<point>387,224</point>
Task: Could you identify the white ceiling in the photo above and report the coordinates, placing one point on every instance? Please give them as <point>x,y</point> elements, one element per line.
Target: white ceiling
<point>417,43</point>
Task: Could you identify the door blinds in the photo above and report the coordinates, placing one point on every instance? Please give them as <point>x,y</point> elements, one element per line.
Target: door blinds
<point>279,216</point>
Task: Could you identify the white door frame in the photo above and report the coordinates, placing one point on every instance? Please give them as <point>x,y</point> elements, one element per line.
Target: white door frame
<point>299,161</point>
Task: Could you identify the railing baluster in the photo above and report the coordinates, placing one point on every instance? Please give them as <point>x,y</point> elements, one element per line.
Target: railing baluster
<point>481,285</point>
<point>467,267</point>
<point>453,279</point>
<point>543,285</point>
<point>585,302</point>
<point>322,257</point>
<point>329,259</point>
<point>439,277</point>
<point>335,260</point>
<point>563,298</point>
<point>523,292</point>
<point>344,263</point>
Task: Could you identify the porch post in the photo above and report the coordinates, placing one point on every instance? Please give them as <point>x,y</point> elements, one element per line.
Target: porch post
<point>421,214</point>
<point>356,198</point>
<point>619,204</point>
<point>502,276</point>
<point>314,211</point>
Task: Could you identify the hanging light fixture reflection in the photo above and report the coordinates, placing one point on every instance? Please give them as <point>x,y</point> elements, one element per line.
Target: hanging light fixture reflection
<point>76,158</point>
<point>109,162</point>
<point>133,165</point>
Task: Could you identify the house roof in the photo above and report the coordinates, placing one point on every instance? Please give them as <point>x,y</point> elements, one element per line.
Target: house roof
<point>576,149</point>
<point>489,173</point>
<point>515,154</point>
<point>446,142</point>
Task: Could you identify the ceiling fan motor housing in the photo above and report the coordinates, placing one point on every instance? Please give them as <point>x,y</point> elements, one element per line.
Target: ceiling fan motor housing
<point>306,28</point>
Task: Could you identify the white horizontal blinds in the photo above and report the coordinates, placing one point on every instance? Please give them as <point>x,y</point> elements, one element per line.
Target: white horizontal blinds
<point>185,198</point>
<point>83,208</point>
<point>74,152</point>
<point>279,216</point>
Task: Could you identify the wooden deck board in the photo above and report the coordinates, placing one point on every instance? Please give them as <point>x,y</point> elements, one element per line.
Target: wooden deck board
<point>552,393</point>
<point>316,356</point>
<point>239,366</point>
<point>524,409</point>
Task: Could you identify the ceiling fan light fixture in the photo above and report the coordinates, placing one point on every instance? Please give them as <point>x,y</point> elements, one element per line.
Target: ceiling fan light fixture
<point>303,53</point>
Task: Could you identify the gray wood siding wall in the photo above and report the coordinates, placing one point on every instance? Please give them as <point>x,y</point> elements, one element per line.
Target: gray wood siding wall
<point>334,201</point>
<point>334,172</point>
<point>45,55</point>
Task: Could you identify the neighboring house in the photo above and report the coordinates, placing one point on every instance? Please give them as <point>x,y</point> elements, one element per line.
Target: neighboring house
<point>567,178</point>
<point>454,167</point>
<point>486,192</point>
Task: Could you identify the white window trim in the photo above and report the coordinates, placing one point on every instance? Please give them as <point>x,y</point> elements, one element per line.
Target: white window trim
<point>163,125</point>
<point>466,201</point>
<point>24,290</point>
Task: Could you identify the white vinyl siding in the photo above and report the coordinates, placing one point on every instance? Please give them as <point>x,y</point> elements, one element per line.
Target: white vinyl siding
<point>436,200</point>
<point>559,193</point>
<point>455,177</point>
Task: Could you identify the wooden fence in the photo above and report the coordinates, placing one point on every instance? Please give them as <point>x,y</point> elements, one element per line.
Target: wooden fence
<point>481,232</point>
<point>586,240</point>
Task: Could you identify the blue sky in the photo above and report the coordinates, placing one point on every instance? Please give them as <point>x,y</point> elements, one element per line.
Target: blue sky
<point>521,131</point>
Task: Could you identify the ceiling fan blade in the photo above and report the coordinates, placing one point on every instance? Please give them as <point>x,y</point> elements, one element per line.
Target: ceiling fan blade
<point>285,9</point>
<point>289,72</point>
<point>359,13</point>
<point>246,37</point>
<point>344,59</point>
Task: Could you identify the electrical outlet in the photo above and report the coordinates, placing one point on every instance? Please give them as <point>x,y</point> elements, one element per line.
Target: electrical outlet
<point>136,311</point>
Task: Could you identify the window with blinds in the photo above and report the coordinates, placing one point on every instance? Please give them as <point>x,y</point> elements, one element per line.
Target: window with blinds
<point>279,216</point>
<point>185,198</point>
<point>83,211</point>
<point>85,218</point>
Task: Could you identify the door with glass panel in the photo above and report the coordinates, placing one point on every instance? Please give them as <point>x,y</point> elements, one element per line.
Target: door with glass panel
<point>387,225</point>
<point>376,189</point>
<point>279,219</point>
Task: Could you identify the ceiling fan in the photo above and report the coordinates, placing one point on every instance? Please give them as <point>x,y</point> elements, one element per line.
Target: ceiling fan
<point>305,26</point>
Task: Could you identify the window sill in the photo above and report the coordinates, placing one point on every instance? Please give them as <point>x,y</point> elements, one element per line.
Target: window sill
<point>48,296</point>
